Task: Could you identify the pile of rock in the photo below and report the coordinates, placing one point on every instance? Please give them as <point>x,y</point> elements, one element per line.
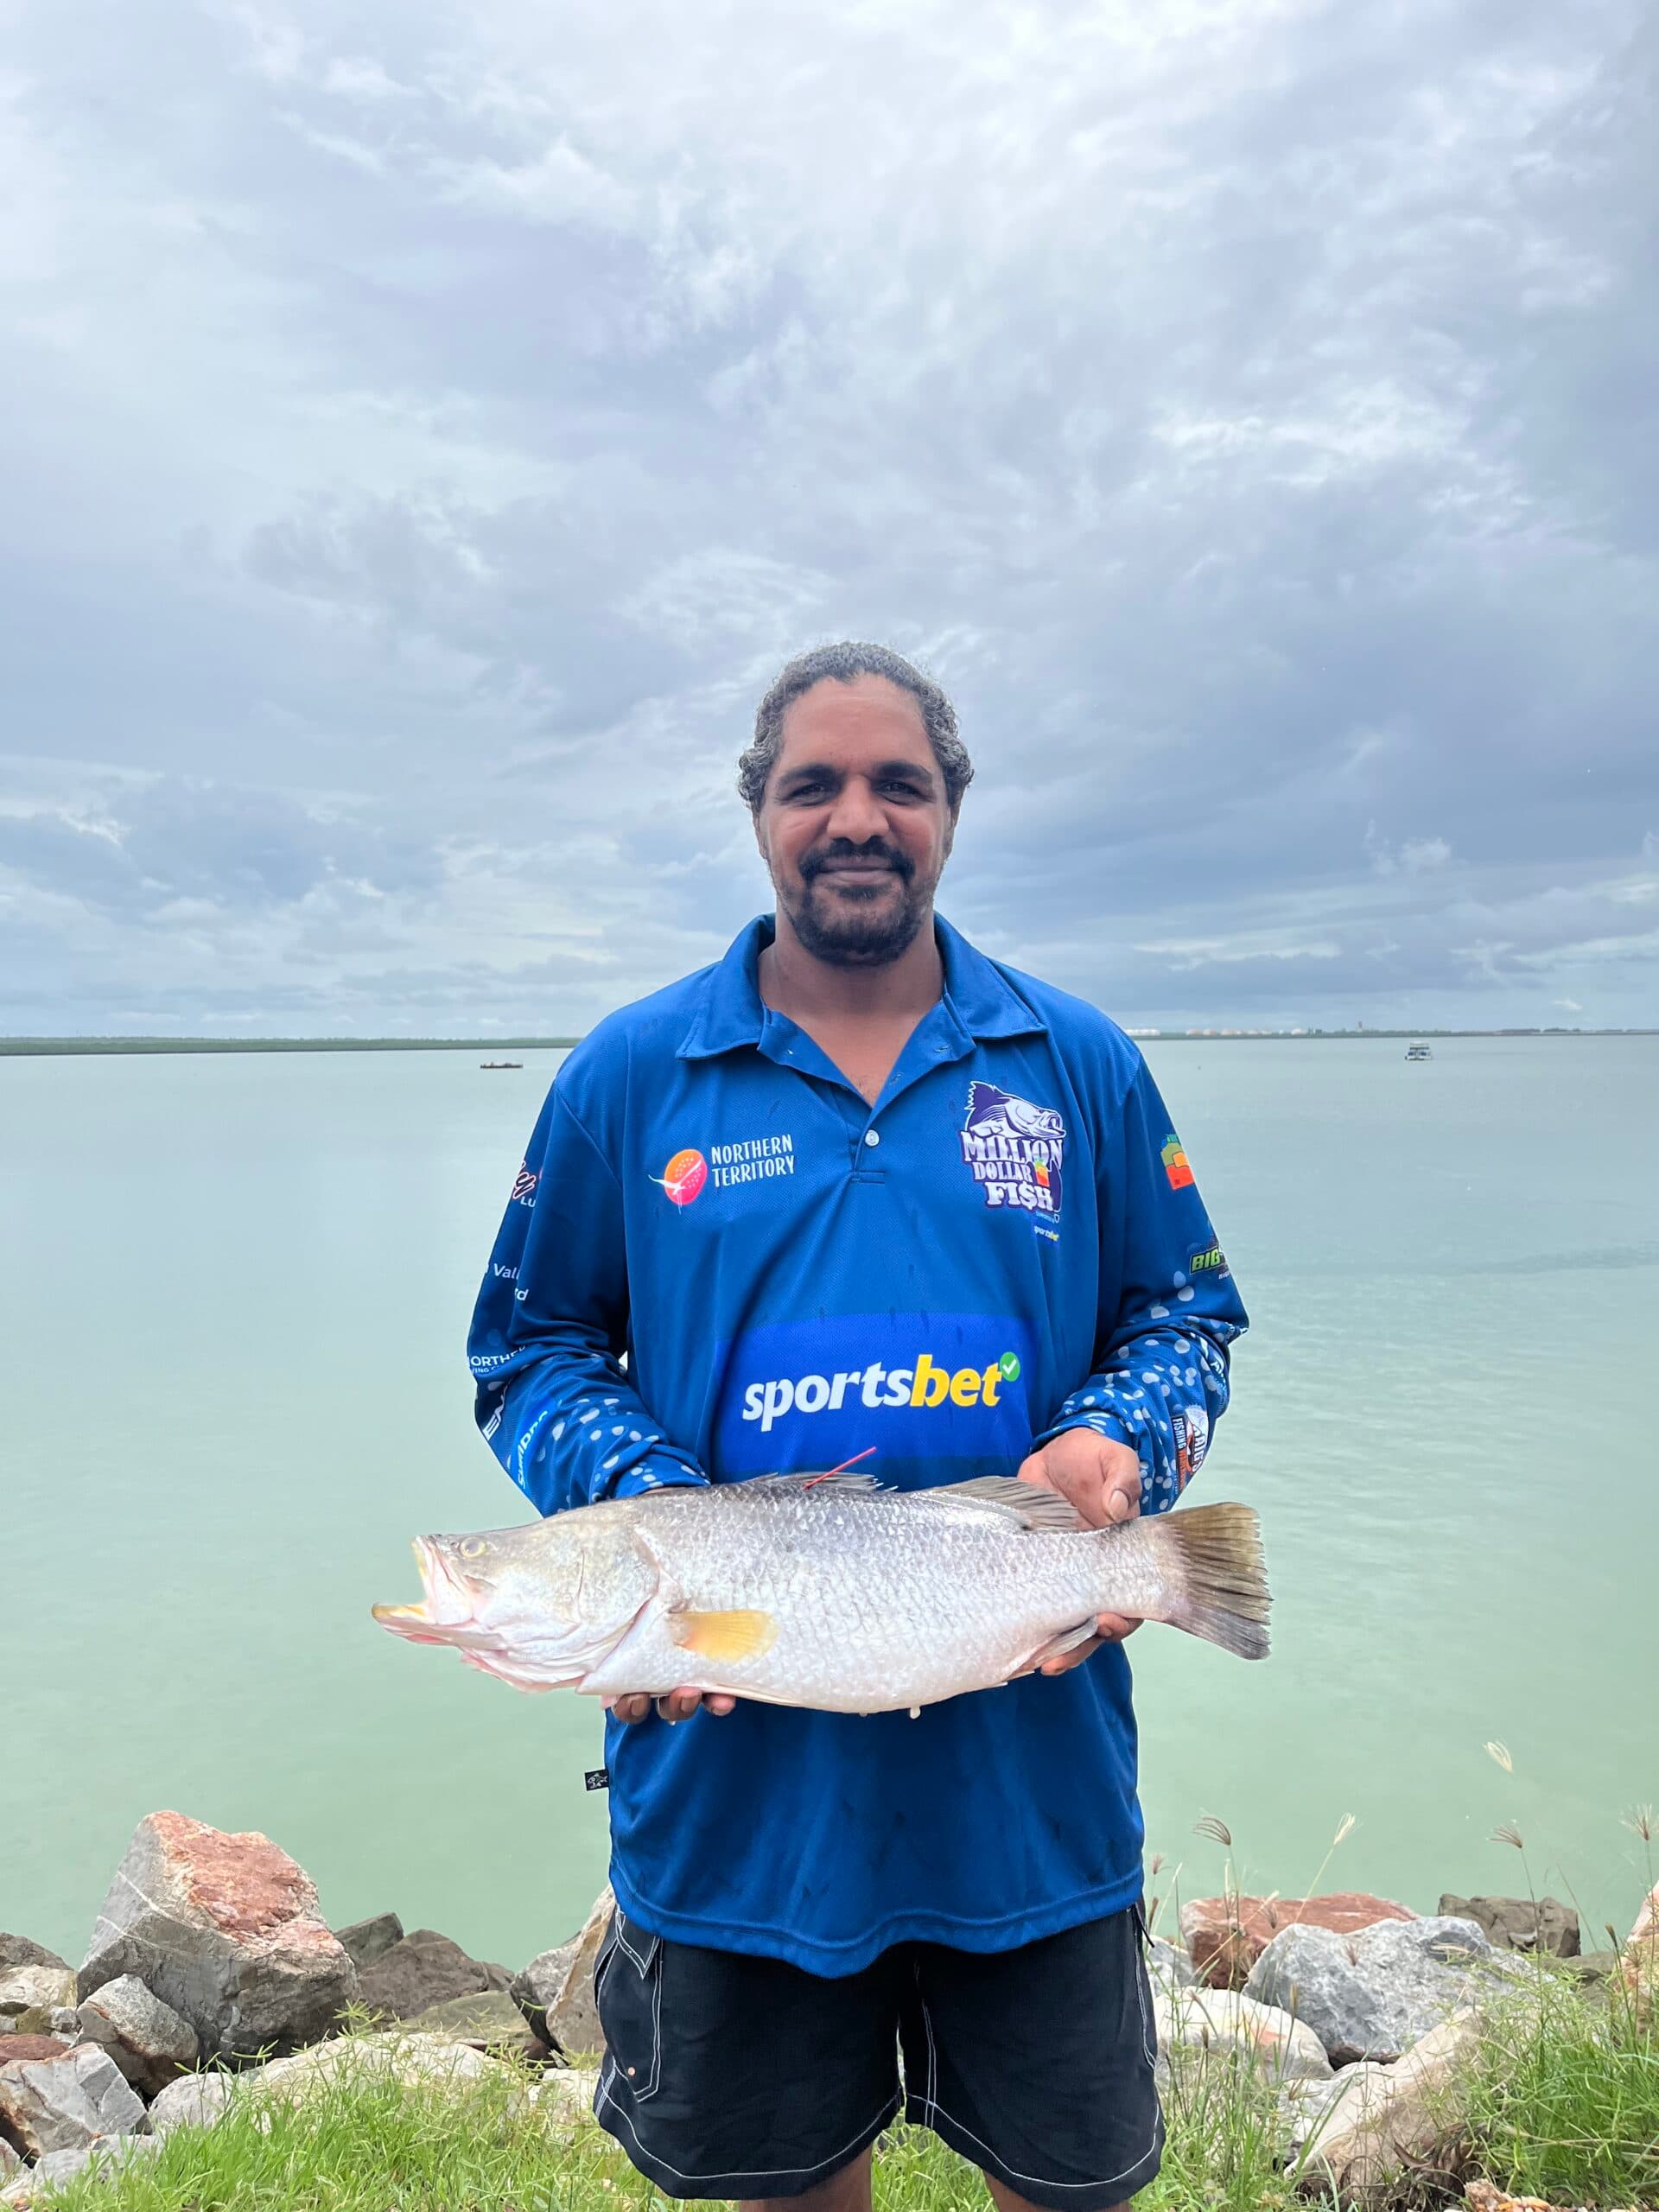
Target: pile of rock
<point>210,1967</point>
<point>1361,2014</point>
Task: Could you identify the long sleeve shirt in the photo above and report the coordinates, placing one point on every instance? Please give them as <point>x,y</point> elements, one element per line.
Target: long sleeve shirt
<point>719,1260</point>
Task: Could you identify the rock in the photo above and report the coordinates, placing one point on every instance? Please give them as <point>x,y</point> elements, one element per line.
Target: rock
<point>56,2104</point>
<point>194,2100</point>
<point>1223,2021</point>
<point>9,2160</point>
<point>572,2016</point>
<point>538,1985</point>
<point>1308,2107</point>
<point>1224,1936</point>
<point>1594,1967</point>
<point>1639,1966</point>
<point>1373,1994</point>
<point>102,2158</point>
<point>369,1940</point>
<point>147,2039</point>
<point>226,1930</point>
<point>64,2020</point>
<point>1169,1965</point>
<point>488,2017</point>
<point>31,2046</point>
<point>417,2061</point>
<point>33,1990</point>
<point>18,1951</point>
<point>424,1969</point>
<point>567,2094</point>
<point>1398,2119</point>
<point>1519,1923</point>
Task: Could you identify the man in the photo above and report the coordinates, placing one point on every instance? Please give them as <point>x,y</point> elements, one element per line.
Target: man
<point>858,1189</point>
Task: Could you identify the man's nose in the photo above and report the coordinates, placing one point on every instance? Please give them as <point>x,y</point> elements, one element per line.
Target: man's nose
<point>856,816</point>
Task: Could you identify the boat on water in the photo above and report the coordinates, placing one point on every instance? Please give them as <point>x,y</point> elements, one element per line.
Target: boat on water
<point>1418,1053</point>
<point>500,1063</point>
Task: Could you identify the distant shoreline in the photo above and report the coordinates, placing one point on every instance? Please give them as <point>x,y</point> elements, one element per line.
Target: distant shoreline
<point>50,1047</point>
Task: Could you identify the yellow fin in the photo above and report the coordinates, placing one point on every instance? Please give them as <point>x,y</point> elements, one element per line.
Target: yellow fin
<point>725,1635</point>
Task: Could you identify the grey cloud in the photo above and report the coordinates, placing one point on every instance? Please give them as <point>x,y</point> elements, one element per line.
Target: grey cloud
<point>439,429</point>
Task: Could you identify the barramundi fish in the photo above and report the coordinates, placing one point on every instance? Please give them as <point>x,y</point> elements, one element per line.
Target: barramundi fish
<point>825,1591</point>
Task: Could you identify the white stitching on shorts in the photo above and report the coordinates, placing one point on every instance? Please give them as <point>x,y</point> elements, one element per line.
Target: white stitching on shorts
<point>602,2095</point>
<point>1041,2181</point>
<point>620,1926</point>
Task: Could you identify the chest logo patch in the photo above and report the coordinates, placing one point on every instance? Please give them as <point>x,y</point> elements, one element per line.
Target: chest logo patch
<point>1015,1150</point>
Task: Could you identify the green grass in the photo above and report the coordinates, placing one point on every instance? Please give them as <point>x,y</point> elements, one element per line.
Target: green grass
<point>376,2146</point>
<point>1565,2101</point>
<point>1565,2104</point>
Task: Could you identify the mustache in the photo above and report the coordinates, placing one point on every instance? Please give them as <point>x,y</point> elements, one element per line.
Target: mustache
<point>839,852</point>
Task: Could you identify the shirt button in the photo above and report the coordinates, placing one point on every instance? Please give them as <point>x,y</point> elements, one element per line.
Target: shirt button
<point>872,1136</point>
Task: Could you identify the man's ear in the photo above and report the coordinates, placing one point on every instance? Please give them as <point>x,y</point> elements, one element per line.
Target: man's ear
<point>761,839</point>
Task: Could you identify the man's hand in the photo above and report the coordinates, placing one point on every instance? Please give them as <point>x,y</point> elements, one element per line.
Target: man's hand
<point>678,1705</point>
<point>1102,1478</point>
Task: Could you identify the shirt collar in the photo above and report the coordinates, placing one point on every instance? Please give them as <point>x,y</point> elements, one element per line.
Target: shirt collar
<point>982,996</point>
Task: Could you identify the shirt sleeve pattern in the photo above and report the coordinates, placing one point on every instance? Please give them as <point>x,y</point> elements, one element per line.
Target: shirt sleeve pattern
<point>550,1330</point>
<point>1160,1381</point>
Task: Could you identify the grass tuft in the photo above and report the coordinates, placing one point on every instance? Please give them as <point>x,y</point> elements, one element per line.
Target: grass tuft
<point>1564,2102</point>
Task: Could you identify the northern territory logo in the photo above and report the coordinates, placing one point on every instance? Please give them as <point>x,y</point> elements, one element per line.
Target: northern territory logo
<point>748,1159</point>
<point>684,1176</point>
<point>1014,1149</point>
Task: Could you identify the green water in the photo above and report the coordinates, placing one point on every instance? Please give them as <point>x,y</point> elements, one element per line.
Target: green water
<point>232,1300</point>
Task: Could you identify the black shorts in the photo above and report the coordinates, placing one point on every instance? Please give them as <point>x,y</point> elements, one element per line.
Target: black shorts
<point>728,2075</point>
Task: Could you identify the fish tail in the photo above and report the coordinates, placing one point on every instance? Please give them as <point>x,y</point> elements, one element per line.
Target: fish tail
<point>1209,1557</point>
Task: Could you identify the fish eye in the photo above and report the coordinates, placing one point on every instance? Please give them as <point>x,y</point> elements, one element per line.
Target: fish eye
<point>472,1547</point>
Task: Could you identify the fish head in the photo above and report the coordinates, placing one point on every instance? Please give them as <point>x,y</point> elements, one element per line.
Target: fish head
<point>539,1605</point>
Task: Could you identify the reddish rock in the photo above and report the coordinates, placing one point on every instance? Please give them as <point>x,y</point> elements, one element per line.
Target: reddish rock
<point>1225,1936</point>
<point>226,1930</point>
<point>30,2047</point>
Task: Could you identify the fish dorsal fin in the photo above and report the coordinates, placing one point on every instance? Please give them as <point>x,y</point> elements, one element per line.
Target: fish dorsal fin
<point>830,1485</point>
<point>1028,1504</point>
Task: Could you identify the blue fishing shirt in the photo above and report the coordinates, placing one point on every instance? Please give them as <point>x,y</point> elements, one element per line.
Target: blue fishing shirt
<point>719,1260</point>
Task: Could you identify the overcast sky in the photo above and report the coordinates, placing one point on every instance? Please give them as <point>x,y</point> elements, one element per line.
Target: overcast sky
<point>427,426</point>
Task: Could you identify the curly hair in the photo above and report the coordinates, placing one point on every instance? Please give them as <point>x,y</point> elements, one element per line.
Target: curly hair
<point>839,663</point>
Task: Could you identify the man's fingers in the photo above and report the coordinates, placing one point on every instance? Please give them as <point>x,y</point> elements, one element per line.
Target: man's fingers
<point>1113,1627</point>
<point>677,1705</point>
<point>1120,1504</point>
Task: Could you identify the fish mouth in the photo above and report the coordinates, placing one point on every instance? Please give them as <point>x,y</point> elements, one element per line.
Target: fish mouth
<point>448,1613</point>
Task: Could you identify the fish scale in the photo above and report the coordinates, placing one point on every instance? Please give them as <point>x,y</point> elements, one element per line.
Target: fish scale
<point>826,1591</point>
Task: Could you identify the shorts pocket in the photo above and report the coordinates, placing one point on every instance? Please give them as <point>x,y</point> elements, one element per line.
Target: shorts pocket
<point>1143,1984</point>
<point>628,1996</point>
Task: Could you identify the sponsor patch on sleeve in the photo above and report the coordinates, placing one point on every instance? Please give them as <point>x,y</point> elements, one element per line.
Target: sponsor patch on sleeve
<point>1175,1166</point>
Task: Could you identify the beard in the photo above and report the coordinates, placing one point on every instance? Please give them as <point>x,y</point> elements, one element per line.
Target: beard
<point>860,926</point>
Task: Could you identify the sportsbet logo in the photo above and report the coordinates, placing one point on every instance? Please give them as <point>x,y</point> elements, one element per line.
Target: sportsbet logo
<point>926,1385</point>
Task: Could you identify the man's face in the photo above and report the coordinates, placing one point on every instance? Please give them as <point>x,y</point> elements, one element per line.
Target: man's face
<point>854,827</point>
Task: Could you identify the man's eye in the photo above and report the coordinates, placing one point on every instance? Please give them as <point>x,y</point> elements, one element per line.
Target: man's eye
<point>901,787</point>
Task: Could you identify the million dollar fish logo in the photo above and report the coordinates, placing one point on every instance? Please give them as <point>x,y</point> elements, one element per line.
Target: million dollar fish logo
<point>1015,1149</point>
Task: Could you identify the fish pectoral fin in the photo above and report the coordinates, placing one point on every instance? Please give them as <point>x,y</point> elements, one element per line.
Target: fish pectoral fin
<point>1057,1646</point>
<point>745,1633</point>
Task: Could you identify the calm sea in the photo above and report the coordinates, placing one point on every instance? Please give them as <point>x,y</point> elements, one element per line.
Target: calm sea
<point>232,1301</point>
